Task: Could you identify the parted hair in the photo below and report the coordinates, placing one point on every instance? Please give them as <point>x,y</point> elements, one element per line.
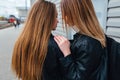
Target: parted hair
<point>81,14</point>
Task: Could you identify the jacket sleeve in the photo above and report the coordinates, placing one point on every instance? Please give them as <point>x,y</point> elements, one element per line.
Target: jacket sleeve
<point>84,62</point>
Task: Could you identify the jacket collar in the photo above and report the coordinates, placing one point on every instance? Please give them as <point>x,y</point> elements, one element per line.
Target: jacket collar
<point>76,35</point>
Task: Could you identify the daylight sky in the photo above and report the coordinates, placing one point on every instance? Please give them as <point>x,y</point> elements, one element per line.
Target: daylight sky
<point>12,3</point>
<point>9,6</point>
<point>22,2</point>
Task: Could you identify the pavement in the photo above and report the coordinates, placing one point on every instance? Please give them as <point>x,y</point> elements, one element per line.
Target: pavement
<point>8,37</point>
<point>3,26</point>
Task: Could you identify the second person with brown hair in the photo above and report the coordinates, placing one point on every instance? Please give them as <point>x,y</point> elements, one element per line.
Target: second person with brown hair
<point>86,57</point>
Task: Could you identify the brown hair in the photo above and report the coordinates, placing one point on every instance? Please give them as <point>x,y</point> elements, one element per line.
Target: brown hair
<point>31,47</point>
<point>80,13</point>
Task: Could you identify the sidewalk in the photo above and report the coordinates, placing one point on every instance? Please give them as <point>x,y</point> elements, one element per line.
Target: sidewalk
<point>2,26</point>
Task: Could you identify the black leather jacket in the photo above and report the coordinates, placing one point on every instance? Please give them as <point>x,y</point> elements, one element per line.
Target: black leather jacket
<point>87,60</point>
<point>51,68</point>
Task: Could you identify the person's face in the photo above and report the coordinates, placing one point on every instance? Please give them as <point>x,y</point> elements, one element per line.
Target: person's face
<point>56,21</point>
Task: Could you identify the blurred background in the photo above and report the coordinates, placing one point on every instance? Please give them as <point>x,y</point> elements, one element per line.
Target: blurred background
<point>13,7</point>
<point>16,9</point>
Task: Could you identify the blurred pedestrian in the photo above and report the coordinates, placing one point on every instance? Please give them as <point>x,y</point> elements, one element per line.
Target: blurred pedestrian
<point>13,21</point>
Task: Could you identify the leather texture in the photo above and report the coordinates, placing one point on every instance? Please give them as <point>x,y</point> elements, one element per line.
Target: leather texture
<point>113,48</point>
<point>87,61</point>
<point>51,68</point>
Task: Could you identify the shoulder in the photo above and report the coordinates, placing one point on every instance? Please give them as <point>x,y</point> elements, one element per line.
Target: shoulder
<point>53,47</point>
<point>51,42</point>
<point>87,40</point>
<point>87,43</point>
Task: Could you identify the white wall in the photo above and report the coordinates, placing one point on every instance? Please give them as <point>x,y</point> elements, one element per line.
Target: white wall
<point>100,7</point>
<point>101,11</point>
<point>113,19</point>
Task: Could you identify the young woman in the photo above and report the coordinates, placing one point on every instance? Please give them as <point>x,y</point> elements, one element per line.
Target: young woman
<point>86,58</point>
<point>35,55</point>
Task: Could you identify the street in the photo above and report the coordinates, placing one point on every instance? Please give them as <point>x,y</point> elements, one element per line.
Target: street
<point>8,37</point>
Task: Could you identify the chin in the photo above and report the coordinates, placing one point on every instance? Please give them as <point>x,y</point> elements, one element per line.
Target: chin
<point>53,29</point>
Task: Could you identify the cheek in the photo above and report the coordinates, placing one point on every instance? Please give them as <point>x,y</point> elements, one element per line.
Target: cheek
<point>55,24</point>
<point>56,21</point>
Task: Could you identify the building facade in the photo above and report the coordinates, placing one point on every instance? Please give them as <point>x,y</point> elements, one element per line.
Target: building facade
<point>108,13</point>
<point>113,19</point>
<point>7,8</point>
